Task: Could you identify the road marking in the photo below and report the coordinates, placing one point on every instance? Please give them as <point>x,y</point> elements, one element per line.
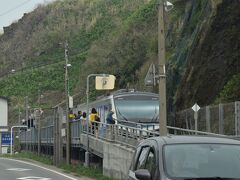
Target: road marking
<point>18,169</point>
<point>56,172</point>
<point>34,178</point>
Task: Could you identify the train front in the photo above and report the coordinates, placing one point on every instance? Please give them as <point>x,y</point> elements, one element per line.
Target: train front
<point>137,109</point>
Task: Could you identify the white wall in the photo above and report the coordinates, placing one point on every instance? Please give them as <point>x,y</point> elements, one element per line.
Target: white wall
<point>3,112</point>
<point>4,149</point>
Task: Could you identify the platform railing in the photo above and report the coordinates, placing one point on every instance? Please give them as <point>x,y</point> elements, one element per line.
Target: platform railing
<point>116,133</point>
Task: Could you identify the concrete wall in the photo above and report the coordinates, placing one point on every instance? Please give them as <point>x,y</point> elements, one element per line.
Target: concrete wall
<point>95,145</point>
<point>116,160</point>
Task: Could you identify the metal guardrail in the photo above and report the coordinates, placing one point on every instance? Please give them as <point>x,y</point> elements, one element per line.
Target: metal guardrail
<point>118,133</point>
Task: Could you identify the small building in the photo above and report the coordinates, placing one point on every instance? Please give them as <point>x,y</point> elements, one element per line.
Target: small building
<point>3,123</point>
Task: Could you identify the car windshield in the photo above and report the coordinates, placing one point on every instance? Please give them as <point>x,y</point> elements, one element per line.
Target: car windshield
<point>202,161</point>
<point>137,108</point>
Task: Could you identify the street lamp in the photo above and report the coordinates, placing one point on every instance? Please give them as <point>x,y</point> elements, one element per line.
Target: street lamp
<point>106,82</point>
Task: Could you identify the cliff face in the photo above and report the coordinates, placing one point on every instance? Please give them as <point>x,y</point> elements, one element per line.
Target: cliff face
<point>120,38</point>
<point>214,59</point>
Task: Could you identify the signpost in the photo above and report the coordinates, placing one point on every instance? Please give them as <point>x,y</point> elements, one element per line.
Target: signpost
<point>11,134</point>
<point>196,108</point>
<point>102,82</point>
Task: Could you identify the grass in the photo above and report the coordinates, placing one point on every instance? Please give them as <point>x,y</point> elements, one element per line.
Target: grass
<point>28,155</point>
<point>81,170</point>
<point>77,170</point>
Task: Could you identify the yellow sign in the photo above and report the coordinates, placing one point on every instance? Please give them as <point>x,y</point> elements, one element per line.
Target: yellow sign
<point>105,82</point>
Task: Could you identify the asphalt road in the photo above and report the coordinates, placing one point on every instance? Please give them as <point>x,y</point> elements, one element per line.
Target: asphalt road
<point>11,169</point>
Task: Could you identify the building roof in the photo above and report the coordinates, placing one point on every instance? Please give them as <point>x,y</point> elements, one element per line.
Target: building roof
<point>5,98</point>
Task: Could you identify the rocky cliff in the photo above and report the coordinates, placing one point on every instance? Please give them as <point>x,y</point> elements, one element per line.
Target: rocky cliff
<point>214,59</point>
<point>120,38</point>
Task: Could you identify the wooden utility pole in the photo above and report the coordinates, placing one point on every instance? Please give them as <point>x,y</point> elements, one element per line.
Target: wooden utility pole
<point>26,116</point>
<point>56,138</point>
<point>38,116</point>
<point>67,106</point>
<point>162,71</point>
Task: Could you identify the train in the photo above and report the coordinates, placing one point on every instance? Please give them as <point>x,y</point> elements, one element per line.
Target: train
<point>130,107</point>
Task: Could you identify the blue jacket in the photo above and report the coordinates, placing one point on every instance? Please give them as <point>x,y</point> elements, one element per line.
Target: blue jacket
<point>109,118</point>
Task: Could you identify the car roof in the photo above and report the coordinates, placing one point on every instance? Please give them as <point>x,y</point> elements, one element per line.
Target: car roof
<point>180,139</point>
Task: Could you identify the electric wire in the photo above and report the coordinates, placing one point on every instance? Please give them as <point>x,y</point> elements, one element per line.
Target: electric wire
<point>14,8</point>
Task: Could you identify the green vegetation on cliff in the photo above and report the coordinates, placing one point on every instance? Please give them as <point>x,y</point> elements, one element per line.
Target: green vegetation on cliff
<point>231,90</point>
<point>106,36</point>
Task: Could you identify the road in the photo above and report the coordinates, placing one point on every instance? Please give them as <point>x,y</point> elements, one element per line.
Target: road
<point>11,169</point>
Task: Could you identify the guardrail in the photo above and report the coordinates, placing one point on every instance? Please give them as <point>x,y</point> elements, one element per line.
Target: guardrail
<point>117,133</point>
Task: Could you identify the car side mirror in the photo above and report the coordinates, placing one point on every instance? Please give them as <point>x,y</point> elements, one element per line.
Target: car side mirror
<point>143,174</point>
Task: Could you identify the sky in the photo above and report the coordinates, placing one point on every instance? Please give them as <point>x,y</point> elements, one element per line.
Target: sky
<point>13,10</point>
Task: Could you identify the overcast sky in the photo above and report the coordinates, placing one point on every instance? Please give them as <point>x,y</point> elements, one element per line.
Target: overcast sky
<point>12,10</point>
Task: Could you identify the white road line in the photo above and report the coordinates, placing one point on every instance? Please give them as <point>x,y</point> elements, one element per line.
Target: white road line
<point>41,168</point>
<point>18,169</point>
<point>34,178</point>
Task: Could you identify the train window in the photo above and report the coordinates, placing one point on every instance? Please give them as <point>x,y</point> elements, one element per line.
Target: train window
<point>143,109</point>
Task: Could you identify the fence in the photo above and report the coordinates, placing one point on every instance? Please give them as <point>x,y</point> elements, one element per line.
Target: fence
<point>219,119</point>
<point>212,120</point>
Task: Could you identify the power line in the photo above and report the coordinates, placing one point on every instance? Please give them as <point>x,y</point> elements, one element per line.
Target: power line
<point>14,8</point>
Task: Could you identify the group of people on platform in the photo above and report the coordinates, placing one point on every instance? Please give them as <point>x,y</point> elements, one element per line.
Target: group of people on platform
<point>93,116</point>
<point>94,119</point>
<point>80,116</point>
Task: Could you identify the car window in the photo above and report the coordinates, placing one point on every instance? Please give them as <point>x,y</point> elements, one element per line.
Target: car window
<point>202,160</point>
<point>142,158</point>
<point>151,164</point>
<point>135,158</point>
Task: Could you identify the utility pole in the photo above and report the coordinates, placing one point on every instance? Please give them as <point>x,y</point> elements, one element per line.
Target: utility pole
<point>19,116</point>
<point>19,120</point>
<point>38,116</point>
<point>26,109</point>
<point>67,106</point>
<point>162,71</point>
<point>26,116</point>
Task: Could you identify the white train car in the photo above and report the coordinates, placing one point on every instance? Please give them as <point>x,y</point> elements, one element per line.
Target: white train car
<point>132,108</point>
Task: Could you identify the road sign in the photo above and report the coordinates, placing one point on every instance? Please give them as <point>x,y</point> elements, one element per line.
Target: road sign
<point>150,77</point>
<point>105,82</point>
<point>195,107</point>
<point>6,138</point>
